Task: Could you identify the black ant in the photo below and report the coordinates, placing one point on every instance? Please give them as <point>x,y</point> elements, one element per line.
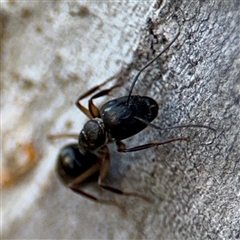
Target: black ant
<point>116,120</point>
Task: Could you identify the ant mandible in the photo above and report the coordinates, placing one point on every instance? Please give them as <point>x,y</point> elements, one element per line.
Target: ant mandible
<point>116,120</point>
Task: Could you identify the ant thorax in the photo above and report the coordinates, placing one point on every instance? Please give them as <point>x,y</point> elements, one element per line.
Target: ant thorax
<point>93,135</point>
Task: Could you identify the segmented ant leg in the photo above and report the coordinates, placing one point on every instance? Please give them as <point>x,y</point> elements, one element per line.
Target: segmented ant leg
<point>93,110</point>
<point>74,186</point>
<point>180,126</point>
<point>122,148</point>
<point>105,158</point>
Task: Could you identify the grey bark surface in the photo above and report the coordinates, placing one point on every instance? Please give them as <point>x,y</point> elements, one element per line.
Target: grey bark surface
<point>195,185</point>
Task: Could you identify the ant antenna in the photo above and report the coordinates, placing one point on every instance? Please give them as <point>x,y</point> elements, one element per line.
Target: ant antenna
<point>149,63</point>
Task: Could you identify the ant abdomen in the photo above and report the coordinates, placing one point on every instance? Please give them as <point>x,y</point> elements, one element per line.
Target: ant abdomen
<point>120,116</point>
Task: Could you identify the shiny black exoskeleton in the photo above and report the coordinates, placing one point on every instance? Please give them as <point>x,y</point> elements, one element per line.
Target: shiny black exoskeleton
<point>117,121</point>
<point>71,163</point>
<point>120,119</point>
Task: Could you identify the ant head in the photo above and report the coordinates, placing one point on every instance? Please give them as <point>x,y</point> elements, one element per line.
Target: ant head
<point>92,135</point>
<point>71,163</point>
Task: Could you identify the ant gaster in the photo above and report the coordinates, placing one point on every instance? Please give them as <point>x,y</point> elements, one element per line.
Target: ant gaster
<point>116,120</point>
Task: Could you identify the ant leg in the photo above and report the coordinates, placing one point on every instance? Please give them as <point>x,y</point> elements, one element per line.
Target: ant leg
<point>103,172</point>
<point>93,111</point>
<point>74,186</point>
<point>122,148</point>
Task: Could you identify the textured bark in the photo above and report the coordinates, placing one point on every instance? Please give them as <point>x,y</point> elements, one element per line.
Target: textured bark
<point>195,185</point>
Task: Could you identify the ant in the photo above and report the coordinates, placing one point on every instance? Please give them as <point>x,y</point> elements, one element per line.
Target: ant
<point>116,120</point>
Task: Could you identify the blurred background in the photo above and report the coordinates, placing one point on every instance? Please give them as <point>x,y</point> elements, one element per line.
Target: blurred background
<point>52,52</point>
